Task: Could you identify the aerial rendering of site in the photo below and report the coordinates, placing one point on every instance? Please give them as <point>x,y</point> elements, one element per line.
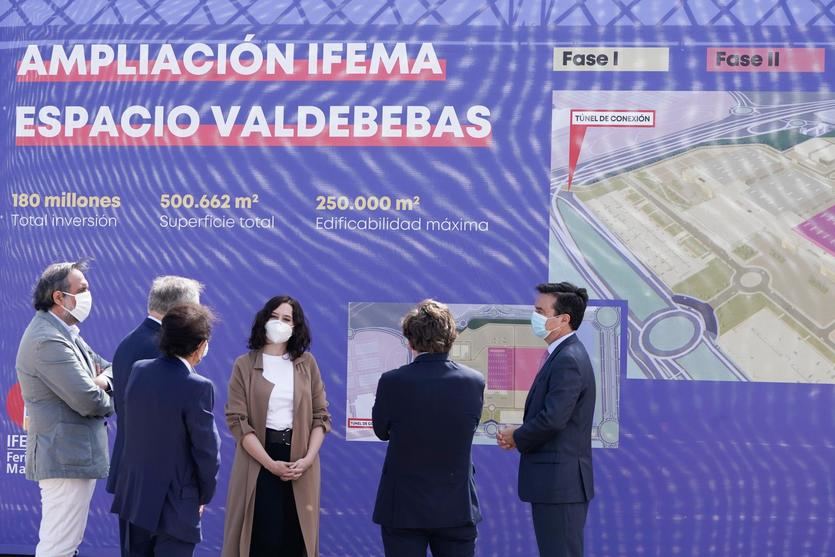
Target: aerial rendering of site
<point>717,226</point>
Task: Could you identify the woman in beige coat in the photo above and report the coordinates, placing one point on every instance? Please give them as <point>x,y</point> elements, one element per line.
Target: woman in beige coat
<point>278,413</point>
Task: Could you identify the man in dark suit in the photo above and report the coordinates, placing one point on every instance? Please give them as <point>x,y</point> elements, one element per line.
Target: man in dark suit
<point>143,344</point>
<point>428,411</point>
<point>171,455</point>
<point>555,470</point>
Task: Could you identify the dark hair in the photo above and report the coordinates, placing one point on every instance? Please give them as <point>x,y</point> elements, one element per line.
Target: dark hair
<point>55,278</point>
<point>298,344</point>
<point>568,299</point>
<point>184,327</point>
<point>430,327</point>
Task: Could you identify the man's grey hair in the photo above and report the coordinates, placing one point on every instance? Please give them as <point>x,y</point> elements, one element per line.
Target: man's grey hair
<point>170,291</point>
<point>55,278</point>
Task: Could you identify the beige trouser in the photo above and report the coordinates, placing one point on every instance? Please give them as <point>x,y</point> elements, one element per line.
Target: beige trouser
<point>65,504</point>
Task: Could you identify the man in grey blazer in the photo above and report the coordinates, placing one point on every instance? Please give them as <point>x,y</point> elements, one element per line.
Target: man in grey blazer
<point>65,389</point>
<point>555,469</point>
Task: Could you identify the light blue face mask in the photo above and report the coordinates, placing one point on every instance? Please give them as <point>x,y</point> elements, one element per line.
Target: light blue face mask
<point>538,325</point>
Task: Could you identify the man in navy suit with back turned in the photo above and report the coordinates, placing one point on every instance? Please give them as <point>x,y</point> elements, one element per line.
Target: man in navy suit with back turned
<point>555,469</point>
<point>171,454</point>
<point>143,344</point>
<point>428,411</point>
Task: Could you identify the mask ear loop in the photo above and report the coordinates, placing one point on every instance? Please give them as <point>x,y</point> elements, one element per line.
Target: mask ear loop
<point>202,352</point>
<point>65,308</point>
<point>555,328</point>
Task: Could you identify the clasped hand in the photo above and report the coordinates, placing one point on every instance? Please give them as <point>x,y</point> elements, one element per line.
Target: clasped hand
<point>289,471</point>
<point>504,438</point>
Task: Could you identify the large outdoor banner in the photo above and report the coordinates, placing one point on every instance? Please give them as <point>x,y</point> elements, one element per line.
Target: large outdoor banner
<point>675,158</point>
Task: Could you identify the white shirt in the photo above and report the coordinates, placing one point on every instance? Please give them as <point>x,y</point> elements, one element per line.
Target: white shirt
<point>278,370</point>
<point>553,345</point>
<point>73,330</point>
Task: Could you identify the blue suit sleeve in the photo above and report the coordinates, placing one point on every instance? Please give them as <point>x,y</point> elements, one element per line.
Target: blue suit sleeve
<point>564,387</point>
<point>380,413</point>
<point>205,441</point>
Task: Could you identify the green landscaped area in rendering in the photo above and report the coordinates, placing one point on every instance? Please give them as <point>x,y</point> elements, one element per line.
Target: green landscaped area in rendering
<point>743,306</point>
<point>738,309</point>
<point>695,247</point>
<point>745,252</point>
<point>707,283</point>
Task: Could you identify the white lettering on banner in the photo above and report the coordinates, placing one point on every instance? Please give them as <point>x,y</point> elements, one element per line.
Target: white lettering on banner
<point>391,121</point>
<point>16,441</point>
<point>245,58</point>
<point>15,454</point>
<point>15,468</point>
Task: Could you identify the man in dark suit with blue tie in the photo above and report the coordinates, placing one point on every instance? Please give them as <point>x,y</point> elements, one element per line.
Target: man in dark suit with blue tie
<point>143,344</point>
<point>171,455</point>
<point>555,469</point>
<point>428,411</point>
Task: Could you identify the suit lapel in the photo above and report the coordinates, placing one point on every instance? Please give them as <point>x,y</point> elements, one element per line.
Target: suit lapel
<point>85,353</point>
<point>79,347</point>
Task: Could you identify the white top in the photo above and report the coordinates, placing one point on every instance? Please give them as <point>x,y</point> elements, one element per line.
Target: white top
<point>278,370</point>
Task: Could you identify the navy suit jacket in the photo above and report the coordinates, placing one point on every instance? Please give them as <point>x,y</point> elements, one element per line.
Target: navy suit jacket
<point>555,436</point>
<point>141,344</point>
<point>171,453</point>
<point>428,411</point>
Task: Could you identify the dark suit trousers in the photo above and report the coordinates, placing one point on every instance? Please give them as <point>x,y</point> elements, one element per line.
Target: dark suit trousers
<point>142,543</point>
<point>444,542</point>
<point>123,537</point>
<point>559,528</point>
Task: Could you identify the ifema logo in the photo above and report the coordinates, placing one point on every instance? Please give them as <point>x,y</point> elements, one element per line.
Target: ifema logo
<point>14,455</point>
<point>14,405</point>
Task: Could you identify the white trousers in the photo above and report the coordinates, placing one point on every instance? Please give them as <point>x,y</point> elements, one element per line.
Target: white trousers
<point>65,504</point>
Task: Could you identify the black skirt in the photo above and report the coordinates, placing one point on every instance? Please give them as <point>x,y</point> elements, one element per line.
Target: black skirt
<point>275,527</point>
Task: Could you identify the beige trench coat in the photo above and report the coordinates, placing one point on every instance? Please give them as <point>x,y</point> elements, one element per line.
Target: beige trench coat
<point>246,412</point>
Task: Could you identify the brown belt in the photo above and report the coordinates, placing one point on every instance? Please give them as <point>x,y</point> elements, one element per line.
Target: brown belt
<point>274,436</point>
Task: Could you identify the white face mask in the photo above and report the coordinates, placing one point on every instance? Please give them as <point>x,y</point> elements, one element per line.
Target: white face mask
<point>278,331</point>
<point>83,305</point>
<point>205,349</point>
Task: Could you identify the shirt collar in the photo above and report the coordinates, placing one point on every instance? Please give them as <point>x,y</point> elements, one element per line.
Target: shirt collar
<point>188,365</point>
<point>154,319</point>
<point>73,330</point>
<point>553,345</point>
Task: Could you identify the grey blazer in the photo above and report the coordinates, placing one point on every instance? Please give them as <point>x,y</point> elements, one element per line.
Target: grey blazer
<point>67,435</point>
